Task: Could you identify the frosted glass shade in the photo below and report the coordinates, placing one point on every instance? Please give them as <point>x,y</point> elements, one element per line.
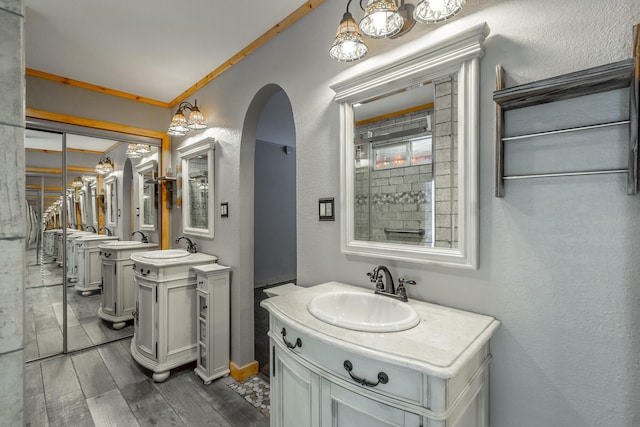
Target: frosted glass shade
<point>432,11</point>
<point>348,45</point>
<point>381,19</point>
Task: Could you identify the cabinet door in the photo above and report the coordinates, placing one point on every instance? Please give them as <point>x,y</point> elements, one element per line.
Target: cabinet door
<point>295,393</point>
<point>92,275</point>
<point>145,326</point>
<point>344,408</point>
<point>108,288</point>
<point>127,290</point>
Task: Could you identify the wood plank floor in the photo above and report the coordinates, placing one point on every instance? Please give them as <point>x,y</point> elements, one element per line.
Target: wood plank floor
<point>104,386</point>
<point>44,311</point>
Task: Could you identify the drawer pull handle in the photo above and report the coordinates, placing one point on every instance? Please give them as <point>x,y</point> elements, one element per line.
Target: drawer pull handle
<point>291,346</point>
<point>382,377</point>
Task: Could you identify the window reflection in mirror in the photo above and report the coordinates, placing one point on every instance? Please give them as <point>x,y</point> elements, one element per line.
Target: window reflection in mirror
<point>111,197</point>
<point>147,184</point>
<point>94,205</point>
<point>197,187</point>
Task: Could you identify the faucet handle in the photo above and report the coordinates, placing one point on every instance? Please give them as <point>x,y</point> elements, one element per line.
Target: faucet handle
<point>402,281</point>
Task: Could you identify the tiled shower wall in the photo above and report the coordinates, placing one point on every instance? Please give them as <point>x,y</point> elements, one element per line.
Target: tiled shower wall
<point>445,155</point>
<point>395,198</point>
<point>403,198</point>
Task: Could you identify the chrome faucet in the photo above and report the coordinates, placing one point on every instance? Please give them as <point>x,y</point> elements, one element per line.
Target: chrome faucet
<point>143,239</point>
<point>87,227</point>
<point>191,247</point>
<point>385,286</point>
<point>109,233</point>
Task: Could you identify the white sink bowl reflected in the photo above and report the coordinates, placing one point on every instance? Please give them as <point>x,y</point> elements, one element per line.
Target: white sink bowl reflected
<point>128,243</point>
<point>165,254</point>
<point>363,312</point>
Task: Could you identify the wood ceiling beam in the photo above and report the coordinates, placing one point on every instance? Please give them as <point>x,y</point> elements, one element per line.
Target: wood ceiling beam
<point>95,88</point>
<point>54,171</point>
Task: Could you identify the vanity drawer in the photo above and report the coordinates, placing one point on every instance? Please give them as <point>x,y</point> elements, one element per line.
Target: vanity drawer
<point>401,383</point>
<point>108,254</point>
<point>145,271</point>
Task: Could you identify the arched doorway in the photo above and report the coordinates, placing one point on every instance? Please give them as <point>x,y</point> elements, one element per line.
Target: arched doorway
<point>268,204</point>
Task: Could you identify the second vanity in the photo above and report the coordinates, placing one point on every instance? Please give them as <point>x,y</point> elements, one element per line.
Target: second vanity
<point>434,374</point>
<point>165,334</point>
<point>116,279</point>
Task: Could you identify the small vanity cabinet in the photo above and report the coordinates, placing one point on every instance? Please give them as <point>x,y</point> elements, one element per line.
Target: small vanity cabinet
<point>165,315</point>
<point>213,321</point>
<point>89,274</point>
<point>433,375</point>
<point>72,250</point>
<point>117,280</point>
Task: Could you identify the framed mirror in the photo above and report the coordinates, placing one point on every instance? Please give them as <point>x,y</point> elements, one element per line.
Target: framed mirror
<point>111,199</point>
<point>93,188</point>
<point>147,195</point>
<point>81,200</point>
<point>409,151</point>
<point>197,187</point>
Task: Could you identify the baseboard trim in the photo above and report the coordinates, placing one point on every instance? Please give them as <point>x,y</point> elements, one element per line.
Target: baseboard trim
<point>241,373</point>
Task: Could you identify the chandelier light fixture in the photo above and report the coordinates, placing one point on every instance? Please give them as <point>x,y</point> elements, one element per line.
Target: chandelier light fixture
<point>104,166</point>
<point>386,19</point>
<point>381,19</point>
<point>348,45</point>
<point>77,183</point>
<point>136,151</point>
<point>180,125</point>
<point>433,11</point>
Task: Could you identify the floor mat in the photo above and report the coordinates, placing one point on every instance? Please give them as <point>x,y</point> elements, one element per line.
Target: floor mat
<point>256,391</point>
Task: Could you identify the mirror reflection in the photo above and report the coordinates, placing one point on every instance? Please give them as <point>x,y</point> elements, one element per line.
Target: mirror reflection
<point>404,169</point>
<point>198,188</point>
<point>196,179</point>
<point>100,208</point>
<point>148,189</point>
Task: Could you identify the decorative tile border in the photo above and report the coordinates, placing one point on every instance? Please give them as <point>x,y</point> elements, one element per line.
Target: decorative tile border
<point>256,391</point>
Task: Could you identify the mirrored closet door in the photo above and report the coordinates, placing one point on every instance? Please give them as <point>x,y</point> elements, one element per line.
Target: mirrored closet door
<point>81,195</point>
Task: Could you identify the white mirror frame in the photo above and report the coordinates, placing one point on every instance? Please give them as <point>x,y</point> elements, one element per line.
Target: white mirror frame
<point>188,151</point>
<point>141,170</point>
<point>432,56</point>
<point>111,179</point>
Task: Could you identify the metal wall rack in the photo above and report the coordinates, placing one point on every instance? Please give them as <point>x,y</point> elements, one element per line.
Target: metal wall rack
<point>605,78</point>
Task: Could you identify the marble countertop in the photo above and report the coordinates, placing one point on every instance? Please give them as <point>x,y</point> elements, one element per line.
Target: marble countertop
<point>440,345</point>
<point>193,259</point>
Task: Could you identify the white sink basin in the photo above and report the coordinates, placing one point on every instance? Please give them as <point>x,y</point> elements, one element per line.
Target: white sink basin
<point>166,254</point>
<point>128,243</point>
<point>363,312</point>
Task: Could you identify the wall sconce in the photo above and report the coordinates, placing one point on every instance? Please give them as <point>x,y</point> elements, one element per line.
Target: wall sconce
<point>136,151</point>
<point>384,18</point>
<point>180,125</point>
<point>77,183</point>
<point>104,165</point>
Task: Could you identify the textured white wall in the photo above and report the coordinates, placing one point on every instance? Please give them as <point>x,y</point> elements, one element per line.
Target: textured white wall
<point>558,259</point>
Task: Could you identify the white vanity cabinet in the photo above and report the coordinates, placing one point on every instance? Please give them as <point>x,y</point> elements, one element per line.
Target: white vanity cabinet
<point>89,275</point>
<point>72,262</point>
<point>432,375</point>
<point>165,315</point>
<point>117,280</point>
<point>213,321</point>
